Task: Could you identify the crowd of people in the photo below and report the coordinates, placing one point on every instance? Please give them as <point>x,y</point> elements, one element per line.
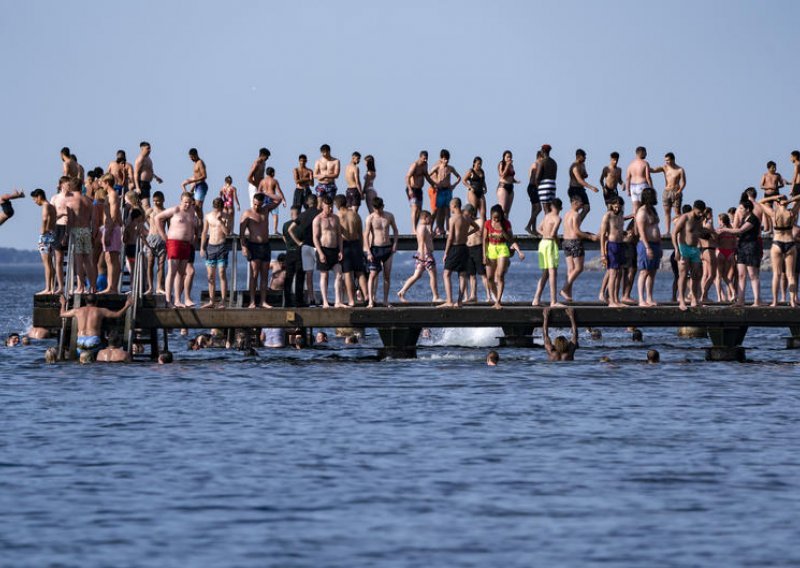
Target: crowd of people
<point>108,215</point>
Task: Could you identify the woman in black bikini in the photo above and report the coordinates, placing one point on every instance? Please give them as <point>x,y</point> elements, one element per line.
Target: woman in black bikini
<point>783,250</point>
<point>475,180</point>
<point>505,187</point>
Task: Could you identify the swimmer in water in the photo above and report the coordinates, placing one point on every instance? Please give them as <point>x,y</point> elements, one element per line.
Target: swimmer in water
<point>561,349</point>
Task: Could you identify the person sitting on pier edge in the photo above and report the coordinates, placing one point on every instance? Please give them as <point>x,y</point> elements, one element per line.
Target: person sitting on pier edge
<point>561,349</point>
<point>90,321</point>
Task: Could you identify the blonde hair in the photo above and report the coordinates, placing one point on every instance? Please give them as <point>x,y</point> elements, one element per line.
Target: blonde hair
<point>107,178</point>
<point>561,344</point>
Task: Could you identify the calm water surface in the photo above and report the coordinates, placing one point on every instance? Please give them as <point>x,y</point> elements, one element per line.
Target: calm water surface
<point>329,458</point>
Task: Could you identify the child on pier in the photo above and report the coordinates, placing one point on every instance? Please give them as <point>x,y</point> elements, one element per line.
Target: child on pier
<point>548,253</point>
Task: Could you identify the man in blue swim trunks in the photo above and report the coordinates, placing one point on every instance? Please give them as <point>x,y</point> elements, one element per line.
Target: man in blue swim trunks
<point>90,321</point>
<point>648,249</point>
<point>441,173</point>
<point>122,172</point>
<point>198,182</point>
<point>686,234</point>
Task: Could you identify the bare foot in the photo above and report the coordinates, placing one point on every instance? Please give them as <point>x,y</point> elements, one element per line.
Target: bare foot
<point>252,306</point>
<point>351,304</point>
<point>566,296</point>
<point>221,306</point>
<point>178,305</point>
<point>445,305</point>
<point>536,303</point>
<point>266,306</point>
<point>643,304</point>
<point>652,304</point>
<point>45,291</point>
<point>682,307</point>
<point>628,300</point>
<point>497,306</point>
<point>471,301</point>
<point>207,305</point>
<point>402,296</point>
<point>339,305</point>
<point>438,300</point>
<point>557,305</point>
<point>370,305</point>
<point>326,305</point>
<point>189,304</point>
<point>160,291</point>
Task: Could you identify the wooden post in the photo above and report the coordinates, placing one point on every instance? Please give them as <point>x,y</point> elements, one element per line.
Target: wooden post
<point>726,344</point>
<point>399,342</point>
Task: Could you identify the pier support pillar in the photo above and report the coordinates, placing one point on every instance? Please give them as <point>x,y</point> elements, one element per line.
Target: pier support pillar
<point>726,344</point>
<point>793,342</point>
<point>398,342</point>
<point>691,332</point>
<point>516,336</point>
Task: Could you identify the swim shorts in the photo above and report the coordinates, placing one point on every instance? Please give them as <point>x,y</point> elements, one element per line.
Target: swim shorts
<point>609,193</point>
<point>749,253</point>
<point>328,189</point>
<point>573,248</point>
<point>499,250</point>
<point>548,254</point>
<point>144,189</point>
<point>457,259</point>
<point>159,247</point>
<point>217,255</point>
<point>200,190</point>
<point>380,255</point>
<point>615,255</point>
<point>130,253</point>
<point>90,343</point>
<point>475,266</point>
<point>578,192</point>
<point>329,260</point>
<point>352,257</point>
<point>636,191</point>
<point>644,263</point>
<point>353,197</point>
<point>62,238</point>
<point>443,197</point>
<point>300,196</point>
<point>689,253</point>
<point>82,237</point>
<point>672,198</point>
<point>47,242</point>
<point>8,209</point>
<point>414,196</point>
<point>533,193</point>
<point>179,250</point>
<point>118,188</point>
<point>258,252</point>
<point>427,262</point>
<point>547,190</point>
<point>114,241</point>
<point>308,257</point>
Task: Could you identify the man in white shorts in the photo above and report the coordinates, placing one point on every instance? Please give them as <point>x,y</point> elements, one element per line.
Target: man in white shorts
<point>256,173</point>
<point>638,177</point>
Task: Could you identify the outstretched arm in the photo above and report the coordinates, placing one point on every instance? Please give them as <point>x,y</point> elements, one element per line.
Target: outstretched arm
<point>573,323</point>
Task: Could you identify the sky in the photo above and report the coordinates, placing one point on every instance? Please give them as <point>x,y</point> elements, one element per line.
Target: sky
<point>714,82</point>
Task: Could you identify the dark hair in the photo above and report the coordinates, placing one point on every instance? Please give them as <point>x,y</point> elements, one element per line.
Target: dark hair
<point>121,157</point>
<point>653,356</point>
<point>340,201</point>
<point>158,194</point>
<point>423,153</point>
<point>38,193</point>
<point>326,200</point>
<point>649,196</point>
<point>686,208</point>
<point>751,192</point>
<point>325,148</point>
<point>493,356</point>
<point>444,154</point>
<point>557,203</point>
<point>270,171</point>
<point>499,210</point>
<point>165,357</point>
<point>456,201</point>
<point>357,154</point>
<point>260,197</point>
<point>377,203</point>
<point>228,179</point>
<point>636,335</point>
<point>476,159</point>
<point>297,208</point>
<point>90,299</point>
<point>217,203</point>
<point>264,152</point>
<point>725,219</point>
<point>614,155</point>
<point>796,154</point>
<point>65,151</point>
<point>193,152</point>
<point>746,204</point>
<point>143,144</point>
<point>136,213</point>
<point>92,174</point>
<point>641,150</point>
<point>114,340</point>
<point>699,204</point>
<point>370,161</point>
<point>302,157</point>
<point>282,257</point>
<point>771,164</point>
<point>580,153</point>
<point>670,155</point>
<point>311,198</point>
<point>98,171</point>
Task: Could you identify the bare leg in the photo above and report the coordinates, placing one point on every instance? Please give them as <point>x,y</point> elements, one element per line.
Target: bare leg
<point>211,273</point>
<point>553,285</point>
<point>323,288</point>
<point>409,283</point>
<point>682,272</point>
<point>264,284</point>
<point>387,280</point>
<point>255,270</point>
<point>448,289</point>
<point>188,280</point>
<point>223,283</point>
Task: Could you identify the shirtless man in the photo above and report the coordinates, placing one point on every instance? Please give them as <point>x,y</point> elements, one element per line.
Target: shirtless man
<point>81,224</point>
<point>214,248</point>
<point>156,247</point>
<point>573,245</point>
<point>561,349</point>
<point>772,181</point>
<point>638,177</point>
<point>122,172</point>
<point>686,235</point>
<point>648,249</point>
<point>114,353</point>
<point>198,183</point>
<point>90,321</point>
<point>475,266</point>
<point>612,247</point>
<point>415,178</point>
<point>675,181</point>
<point>352,254</point>
<point>110,230</point>
<point>423,259</point>
<point>256,173</point>
<point>81,173</point>
<point>180,240</point>
<point>578,184</point>
<point>456,254</point>
<point>546,178</point>
<point>59,201</point>
<point>254,238</point>
<point>441,173</point>
<point>70,166</point>
<point>795,183</point>
<point>548,254</point>
<point>270,187</point>
<point>326,171</point>
<point>379,250</point>
<point>303,181</point>
<point>143,174</point>
<point>352,177</point>
<point>329,247</point>
<point>6,209</point>
<point>47,237</point>
<point>533,195</point>
<point>611,178</point>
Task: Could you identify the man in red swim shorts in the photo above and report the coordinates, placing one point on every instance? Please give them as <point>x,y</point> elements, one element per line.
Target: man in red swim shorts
<point>180,246</point>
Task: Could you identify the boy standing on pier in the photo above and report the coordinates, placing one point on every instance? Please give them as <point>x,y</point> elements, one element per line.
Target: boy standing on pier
<point>156,246</point>
<point>328,244</point>
<point>548,253</point>
<point>456,254</point>
<point>256,173</point>
<point>685,242</point>
<point>573,244</point>
<point>214,248</point>
<point>326,171</point>
<point>47,237</point>
<point>612,250</point>
<point>648,250</point>
<point>423,259</point>
<point>379,250</point>
<point>180,239</point>
<point>415,179</point>
<point>255,247</point>
<point>354,271</point>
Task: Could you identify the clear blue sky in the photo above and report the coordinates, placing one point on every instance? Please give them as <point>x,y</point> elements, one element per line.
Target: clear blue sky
<point>715,82</point>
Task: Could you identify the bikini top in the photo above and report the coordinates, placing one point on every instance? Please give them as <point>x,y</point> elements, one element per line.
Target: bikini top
<point>476,180</point>
<point>495,236</point>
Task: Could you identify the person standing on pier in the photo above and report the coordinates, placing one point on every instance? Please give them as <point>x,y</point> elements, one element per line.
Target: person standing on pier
<point>110,228</point>
<point>456,254</point>
<point>675,181</point>
<point>143,174</point>
<point>179,239</point>
<point>354,271</point>
<point>271,188</point>
<point>256,173</point>
<point>415,178</point>
<point>548,254</point>
<point>303,181</point>
<point>638,177</point>
<point>533,195</point>
<point>69,166</point>
<point>612,251</point>
<point>423,258</point>
<point>82,230</point>
<point>546,178</point>
<point>156,247</point>
<point>506,180</point>
<point>328,245</point>
<point>749,250</point>
<point>610,178</point>
<point>475,181</point>
<point>302,231</point>
<point>122,172</point>
<point>498,240</point>
<point>573,243</point>
<point>686,234</point>
<point>198,183</point>
<point>47,237</point>
<point>59,201</point>
<point>295,275</point>
<point>795,181</point>
<point>369,183</point>
<point>441,172</point>
<point>648,249</point>
<point>254,239</point>
<point>561,349</point>
<point>476,266</point>
<point>578,184</point>
<point>326,172</point>
<point>379,249</point>
<point>214,248</point>
<point>352,177</point>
